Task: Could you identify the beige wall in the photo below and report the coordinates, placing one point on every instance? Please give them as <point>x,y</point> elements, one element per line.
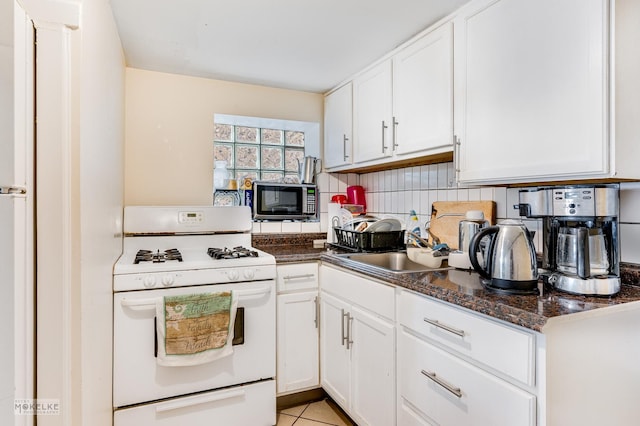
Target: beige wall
<point>169,131</point>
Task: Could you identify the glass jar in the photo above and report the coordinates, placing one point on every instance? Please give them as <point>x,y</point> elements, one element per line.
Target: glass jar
<point>220,175</point>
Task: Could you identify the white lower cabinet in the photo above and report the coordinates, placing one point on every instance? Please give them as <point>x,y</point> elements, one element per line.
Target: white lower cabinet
<point>392,356</point>
<point>451,391</point>
<point>358,346</point>
<point>297,328</point>
<point>457,368</point>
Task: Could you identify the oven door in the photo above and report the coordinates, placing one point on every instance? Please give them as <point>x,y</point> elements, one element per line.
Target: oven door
<point>138,378</point>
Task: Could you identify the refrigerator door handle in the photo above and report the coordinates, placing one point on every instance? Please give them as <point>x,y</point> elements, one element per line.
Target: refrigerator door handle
<point>13,190</point>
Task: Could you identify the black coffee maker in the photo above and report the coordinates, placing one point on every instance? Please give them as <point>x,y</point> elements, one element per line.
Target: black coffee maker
<point>581,252</point>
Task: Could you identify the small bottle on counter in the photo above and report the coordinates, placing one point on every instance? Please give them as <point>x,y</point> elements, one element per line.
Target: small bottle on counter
<point>413,227</point>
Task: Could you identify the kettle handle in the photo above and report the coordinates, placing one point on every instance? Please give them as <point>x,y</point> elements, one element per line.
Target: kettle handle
<point>473,250</point>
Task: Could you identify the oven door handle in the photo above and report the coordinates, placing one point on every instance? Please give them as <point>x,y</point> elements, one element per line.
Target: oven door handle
<point>140,304</point>
<point>150,303</point>
<point>253,292</point>
<point>197,400</point>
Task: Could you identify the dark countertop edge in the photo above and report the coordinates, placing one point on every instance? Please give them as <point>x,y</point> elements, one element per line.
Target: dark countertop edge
<point>496,306</point>
<point>420,283</point>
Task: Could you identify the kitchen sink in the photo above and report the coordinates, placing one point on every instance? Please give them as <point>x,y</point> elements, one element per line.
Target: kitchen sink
<point>391,261</point>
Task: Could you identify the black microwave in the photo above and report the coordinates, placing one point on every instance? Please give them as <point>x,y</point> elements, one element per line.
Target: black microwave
<point>285,201</point>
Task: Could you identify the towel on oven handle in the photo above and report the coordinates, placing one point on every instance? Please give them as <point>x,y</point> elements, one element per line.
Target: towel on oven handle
<point>195,329</point>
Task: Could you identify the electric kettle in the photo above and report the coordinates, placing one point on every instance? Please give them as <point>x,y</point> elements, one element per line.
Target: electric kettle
<point>509,258</point>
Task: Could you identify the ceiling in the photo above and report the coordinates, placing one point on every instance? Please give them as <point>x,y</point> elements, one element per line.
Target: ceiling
<point>308,45</point>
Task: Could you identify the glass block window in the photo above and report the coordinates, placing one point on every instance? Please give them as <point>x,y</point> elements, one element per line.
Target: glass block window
<point>259,153</point>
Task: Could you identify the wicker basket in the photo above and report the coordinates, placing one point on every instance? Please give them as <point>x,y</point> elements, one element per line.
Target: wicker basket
<point>369,241</point>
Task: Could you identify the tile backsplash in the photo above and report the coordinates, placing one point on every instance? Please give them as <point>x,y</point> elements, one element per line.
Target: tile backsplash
<point>395,192</point>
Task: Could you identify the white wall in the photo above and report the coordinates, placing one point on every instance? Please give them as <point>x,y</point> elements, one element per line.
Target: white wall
<point>80,167</point>
<point>100,201</point>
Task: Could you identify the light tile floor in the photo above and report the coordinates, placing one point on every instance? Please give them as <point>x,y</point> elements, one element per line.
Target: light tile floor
<point>320,413</point>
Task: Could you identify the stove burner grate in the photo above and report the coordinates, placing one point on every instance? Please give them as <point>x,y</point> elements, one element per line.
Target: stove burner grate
<point>236,252</point>
<point>157,256</point>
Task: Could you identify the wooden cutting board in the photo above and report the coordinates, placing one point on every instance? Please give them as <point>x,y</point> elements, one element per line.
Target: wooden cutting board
<point>445,226</point>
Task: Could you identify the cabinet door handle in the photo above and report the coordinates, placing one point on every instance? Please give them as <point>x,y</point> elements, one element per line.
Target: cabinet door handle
<point>454,390</point>
<point>349,325</point>
<point>344,338</point>
<point>298,277</point>
<point>344,147</point>
<point>395,137</point>
<point>317,311</point>
<point>456,154</point>
<point>384,127</point>
<point>445,327</point>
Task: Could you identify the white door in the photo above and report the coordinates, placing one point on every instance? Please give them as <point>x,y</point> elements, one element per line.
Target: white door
<point>338,116</point>
<point>373,369</point>
<point>334,357</point>
<point>16,211</point>
<point>297,354</point>
<point>531,90</point>
<point>372,120</point>
<point>423,93</point>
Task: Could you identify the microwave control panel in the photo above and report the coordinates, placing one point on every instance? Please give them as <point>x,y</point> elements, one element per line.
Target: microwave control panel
<point>310,205</point>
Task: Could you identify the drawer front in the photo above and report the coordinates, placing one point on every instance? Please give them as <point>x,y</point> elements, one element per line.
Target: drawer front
<point>253,404</point>
<point>453,392</point>
<point>297,276</point>
<point>376,297</point>
<point>408,416</point>
<point>504,348</point>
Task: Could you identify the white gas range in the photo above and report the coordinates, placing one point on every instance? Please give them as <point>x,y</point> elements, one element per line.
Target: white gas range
<point>176,251</point>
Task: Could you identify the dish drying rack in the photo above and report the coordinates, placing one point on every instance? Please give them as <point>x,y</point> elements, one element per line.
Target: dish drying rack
<point>363,241</point>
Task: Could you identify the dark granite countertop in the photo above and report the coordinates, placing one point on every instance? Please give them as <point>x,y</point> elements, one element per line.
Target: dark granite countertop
<point>464,288</point>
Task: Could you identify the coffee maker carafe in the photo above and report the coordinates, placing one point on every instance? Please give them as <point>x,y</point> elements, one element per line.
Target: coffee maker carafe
<point>579,235</point>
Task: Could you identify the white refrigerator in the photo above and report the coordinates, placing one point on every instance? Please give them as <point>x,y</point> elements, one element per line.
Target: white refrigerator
<point>17,237</point>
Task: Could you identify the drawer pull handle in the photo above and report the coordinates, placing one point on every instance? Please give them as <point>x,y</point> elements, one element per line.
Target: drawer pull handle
<point>456,391</point>
<point>298,277</point>
<point>445,327</point>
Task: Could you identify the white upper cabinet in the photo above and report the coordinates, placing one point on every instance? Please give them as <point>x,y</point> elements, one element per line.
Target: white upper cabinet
<point>372,114</point>
<point>402,106</point>
<point>338,118</point>
<point>423,93</point>
<point>532,92</point>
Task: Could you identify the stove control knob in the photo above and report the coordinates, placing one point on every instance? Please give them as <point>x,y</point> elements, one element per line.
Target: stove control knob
<point>249,274</point>
<point>168,280</point>
<point>149,281</point>
<point>233,275</point>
